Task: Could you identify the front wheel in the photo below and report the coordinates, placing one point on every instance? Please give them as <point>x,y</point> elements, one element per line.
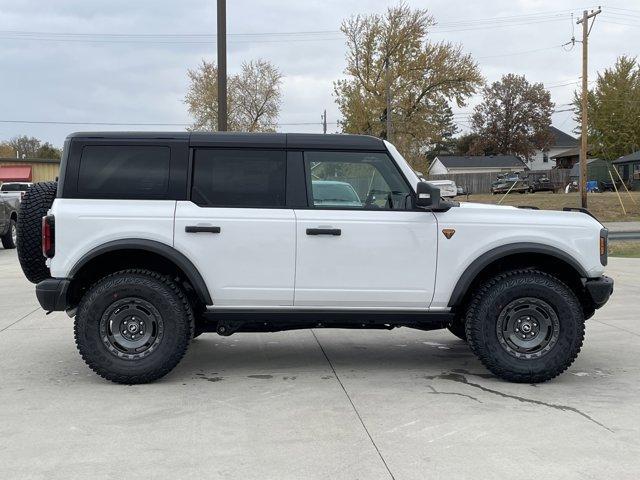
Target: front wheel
<point>525,326</point>
<point>133,326</point>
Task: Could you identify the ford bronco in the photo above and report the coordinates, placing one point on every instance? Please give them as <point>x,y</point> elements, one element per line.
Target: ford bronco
<point>151,239</point>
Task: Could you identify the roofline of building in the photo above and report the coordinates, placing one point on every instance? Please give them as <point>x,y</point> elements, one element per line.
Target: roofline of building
<point>6,160</point>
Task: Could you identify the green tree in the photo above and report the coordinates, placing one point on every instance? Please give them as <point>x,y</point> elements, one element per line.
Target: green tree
<point>613,106</point>
<point>462,144</point>
<point>46,150</point>
<point>393,50</point>
<point>253,97</point>
<point>513,118</point>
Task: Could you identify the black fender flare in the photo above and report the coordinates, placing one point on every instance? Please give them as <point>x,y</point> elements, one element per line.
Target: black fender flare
<point>472,271</point>
<point>162,249</point>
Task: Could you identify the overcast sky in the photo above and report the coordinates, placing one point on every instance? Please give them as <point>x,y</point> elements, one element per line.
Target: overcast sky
<point>71,61</point>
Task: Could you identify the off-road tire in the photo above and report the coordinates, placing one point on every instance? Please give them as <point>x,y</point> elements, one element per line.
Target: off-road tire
<point>494,295</point>
<point>35,204</point>
<point>168,300</point>
<point>7,238</point>
<point>458,329</point>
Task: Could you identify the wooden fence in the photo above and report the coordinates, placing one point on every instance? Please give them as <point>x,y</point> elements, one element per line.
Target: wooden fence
<point>481,182</point>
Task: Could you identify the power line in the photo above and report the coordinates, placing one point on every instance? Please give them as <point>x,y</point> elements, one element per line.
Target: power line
<point>138,124</point>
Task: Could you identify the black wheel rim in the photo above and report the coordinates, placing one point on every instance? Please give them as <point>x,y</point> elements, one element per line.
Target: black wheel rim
<point>528,328</point>
<point>131,328</point>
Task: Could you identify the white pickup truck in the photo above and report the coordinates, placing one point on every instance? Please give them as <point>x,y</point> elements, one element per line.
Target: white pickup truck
<point>150,239</point>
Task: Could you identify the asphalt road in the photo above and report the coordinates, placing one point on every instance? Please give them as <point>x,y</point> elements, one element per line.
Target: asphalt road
<point>321,404</point>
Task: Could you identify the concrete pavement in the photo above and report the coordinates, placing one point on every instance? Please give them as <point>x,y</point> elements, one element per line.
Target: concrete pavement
<point>321,404</point>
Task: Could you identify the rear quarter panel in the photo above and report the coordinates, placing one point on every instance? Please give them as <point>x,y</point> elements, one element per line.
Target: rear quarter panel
<point>82,225</point>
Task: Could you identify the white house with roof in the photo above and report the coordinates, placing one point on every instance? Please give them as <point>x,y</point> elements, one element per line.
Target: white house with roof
<point>447,164</point>
<point>561,142</point>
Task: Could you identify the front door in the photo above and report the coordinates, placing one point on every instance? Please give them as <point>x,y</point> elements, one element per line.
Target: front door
<point>236,228</point>
<point>360,244</point>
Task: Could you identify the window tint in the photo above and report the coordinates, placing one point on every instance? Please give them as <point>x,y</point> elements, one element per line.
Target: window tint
<point>355,180</point>
<point>124,171</point>
<point>239,178</point>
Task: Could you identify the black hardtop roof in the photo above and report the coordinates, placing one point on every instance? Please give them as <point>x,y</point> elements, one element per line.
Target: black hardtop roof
<point>249,140</point>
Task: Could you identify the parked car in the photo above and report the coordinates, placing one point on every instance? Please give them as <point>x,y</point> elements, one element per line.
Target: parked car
<point>9,206</point>
<point>510,185</point>
<point>461,190</point>
<point>542,184</point>
<point>448,188</point>
<point>17,189</point>
<point>233,233</point>
<point>336,194</point>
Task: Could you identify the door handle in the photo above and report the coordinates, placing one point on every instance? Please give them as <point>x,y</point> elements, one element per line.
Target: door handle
<point>324,231</point>
<point>201,229</point>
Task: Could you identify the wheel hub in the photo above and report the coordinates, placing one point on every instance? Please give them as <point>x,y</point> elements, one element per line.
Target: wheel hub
<point>528,328</point>
<point>131,328</point>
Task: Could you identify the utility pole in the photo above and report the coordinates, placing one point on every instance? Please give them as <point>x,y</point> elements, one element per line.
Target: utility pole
<point>222,65</point>
<point>585,85</point>
<point>324,122</point>
<point>388,95</point>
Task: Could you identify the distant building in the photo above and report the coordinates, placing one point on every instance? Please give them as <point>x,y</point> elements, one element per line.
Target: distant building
<point>629,169</point>
<point>546,159</point>
<point>446,164</point>
<point>28,169</point>
<point>597,169</point>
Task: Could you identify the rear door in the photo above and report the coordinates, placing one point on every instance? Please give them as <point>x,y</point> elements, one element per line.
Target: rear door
<point>236,227</point>
<point>360,244</point>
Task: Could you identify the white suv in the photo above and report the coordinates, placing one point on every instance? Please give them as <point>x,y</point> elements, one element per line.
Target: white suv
<point>151,239</point>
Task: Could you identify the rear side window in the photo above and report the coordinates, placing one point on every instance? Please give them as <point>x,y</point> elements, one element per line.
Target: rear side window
<point>118,171</point>
<point>239,178</point>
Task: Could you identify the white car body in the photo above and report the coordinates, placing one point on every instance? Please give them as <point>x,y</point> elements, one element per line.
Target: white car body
<point>264,259</point>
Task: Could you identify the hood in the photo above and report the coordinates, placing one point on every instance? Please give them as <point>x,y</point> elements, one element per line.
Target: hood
<point>507,214</point>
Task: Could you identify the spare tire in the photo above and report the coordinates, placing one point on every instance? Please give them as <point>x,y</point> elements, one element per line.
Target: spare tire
<point>35,204</point>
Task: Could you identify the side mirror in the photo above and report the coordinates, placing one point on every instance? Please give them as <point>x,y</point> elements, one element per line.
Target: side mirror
<point>427,196</point>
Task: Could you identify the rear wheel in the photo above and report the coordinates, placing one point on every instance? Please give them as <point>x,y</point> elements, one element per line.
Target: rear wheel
<point>10,238</point>
<point>36,203</point>
<point>525,326</point>
<point>133,326</point>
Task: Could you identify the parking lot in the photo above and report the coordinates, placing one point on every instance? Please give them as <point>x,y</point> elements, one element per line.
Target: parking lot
<point>314,404</point>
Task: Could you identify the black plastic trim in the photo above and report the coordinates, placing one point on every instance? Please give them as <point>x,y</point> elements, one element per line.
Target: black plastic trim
<point>599,290</point>
<point>296,185</point>
<point>170,253</point>
<point>273,320</point>
<point>52,294</point>
<point>472,271</point>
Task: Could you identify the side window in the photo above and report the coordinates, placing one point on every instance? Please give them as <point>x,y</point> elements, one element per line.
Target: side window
<point>124,172</point>
<point>355,180</point>
<point>239,178</point>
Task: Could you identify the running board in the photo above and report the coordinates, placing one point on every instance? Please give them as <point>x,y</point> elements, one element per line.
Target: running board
<point>229,321</point>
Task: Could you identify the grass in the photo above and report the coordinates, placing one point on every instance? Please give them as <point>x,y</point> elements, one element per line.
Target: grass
<point>605,206</point>
<point>625,249</point>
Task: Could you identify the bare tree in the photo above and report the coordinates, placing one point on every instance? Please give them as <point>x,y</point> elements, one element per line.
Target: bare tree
<point>254,97</point>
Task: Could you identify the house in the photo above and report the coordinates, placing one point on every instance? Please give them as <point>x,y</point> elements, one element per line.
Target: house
<point>28,169</point>
<point>629,169</point>
<point>561,142</point>
<point>446,164</point>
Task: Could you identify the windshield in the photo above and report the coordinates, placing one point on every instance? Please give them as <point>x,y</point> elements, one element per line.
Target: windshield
<point>14,187</point>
